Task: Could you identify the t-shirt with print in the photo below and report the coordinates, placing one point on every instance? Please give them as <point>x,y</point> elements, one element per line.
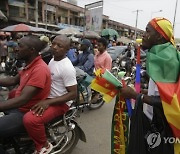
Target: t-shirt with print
<point>36,74</point>
<point>63,74</point>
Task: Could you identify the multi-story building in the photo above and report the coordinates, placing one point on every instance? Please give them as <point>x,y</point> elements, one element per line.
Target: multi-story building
<point>54,15</point>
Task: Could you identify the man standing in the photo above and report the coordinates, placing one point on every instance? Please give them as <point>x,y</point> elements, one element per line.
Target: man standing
<point>34,85</point>
<point>163,68</point>
<point>63,91</point>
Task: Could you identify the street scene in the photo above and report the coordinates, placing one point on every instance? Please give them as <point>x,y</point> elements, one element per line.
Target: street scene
<point>88,76</point>
<point>97,125</point>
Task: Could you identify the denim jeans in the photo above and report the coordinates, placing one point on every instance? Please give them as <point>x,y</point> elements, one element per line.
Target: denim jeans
<point>11,123</point>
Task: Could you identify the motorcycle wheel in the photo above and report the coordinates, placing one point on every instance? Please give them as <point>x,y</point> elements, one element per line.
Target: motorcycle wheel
<point>97,104</point>
<point>73,138</point>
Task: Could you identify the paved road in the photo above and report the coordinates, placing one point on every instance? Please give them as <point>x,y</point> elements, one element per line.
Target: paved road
<point>97,127</point>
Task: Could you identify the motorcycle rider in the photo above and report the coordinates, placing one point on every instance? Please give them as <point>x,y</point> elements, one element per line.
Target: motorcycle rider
<point>63,91</point>
<point>102,59</point>
<point>85,60</point>
<point>72,53</point>
<point>34,85</point>
<point>129,51</point>
<point>45,52</point>
<point>45,44</point>
<point>128,57</point>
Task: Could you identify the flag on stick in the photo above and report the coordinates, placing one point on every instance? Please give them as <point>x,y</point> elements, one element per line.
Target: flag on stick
<point>106,84</point>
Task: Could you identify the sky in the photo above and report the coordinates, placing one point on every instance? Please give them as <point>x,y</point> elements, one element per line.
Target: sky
<point>124,11</point>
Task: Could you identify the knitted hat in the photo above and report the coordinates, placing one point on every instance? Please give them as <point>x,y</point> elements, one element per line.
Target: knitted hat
<point>44,38</point>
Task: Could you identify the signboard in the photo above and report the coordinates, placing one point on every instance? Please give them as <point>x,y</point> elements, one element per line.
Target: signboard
<point>93,16</point>
<point>50,8</point>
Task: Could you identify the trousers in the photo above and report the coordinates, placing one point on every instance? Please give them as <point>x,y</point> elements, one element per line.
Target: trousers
<point>35,124</point>
<point>11,123</point>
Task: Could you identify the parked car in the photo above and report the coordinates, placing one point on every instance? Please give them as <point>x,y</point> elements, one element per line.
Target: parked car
<point>115,51</point>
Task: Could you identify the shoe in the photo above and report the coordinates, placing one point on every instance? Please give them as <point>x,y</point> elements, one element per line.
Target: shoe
<point>45,150</point>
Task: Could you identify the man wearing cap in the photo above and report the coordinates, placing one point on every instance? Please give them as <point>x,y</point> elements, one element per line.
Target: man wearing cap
<point>45,52</point>
<point>85,60</point>
<point>162,66</point>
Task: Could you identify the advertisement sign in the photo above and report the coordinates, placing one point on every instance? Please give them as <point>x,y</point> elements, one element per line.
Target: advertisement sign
<point>93,14</point>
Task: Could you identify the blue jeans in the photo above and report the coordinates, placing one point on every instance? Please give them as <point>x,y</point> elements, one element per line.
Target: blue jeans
<point>11,123</point>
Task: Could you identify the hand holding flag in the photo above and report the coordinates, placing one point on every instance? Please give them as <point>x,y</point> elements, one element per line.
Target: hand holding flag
<point>106,84</point>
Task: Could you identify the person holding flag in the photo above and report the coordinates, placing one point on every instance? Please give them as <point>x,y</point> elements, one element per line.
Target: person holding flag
<point>163,99</point>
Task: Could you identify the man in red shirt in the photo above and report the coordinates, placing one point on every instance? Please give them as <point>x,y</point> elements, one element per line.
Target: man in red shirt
<point>34,85</point>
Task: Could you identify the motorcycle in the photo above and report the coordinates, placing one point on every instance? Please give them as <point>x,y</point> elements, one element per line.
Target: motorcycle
<point>62,132</point>
<point>122,64</point>
<point>12,67</point>
<point>86,95</point>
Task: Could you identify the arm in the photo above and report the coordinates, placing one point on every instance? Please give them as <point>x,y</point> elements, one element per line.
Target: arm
<point>73,56</point>
<point>88,64</point>
<point>10,81</point>
<point>27,93</point>
<point>70,95</point>
<point>129,93</point>
<point>75,62</point>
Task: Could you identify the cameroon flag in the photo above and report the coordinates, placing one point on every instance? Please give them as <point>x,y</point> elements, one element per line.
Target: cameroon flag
<point>163,66</point>
<point>106,84</point>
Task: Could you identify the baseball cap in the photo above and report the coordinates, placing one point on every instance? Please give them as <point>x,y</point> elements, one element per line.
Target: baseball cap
<point>86,42</point>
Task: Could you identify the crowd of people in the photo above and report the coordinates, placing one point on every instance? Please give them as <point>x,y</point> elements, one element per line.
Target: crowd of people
<point>46,88</point>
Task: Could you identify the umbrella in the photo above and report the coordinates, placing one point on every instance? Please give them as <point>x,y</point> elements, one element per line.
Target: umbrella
<point>109,32</point>
<point>69,31</point>
<point>24,28</point>
<point>124,40</point>
<point>2,16</point>
<point>91,34</point>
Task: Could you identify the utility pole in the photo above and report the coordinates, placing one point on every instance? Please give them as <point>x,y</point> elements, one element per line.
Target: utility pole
<point>175,14</point>
<point>26,10</point>
<point>46,15</point>
<point>137,13</point>
<point>36,12</point>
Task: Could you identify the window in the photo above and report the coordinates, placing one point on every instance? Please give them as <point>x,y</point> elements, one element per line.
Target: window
<point>59,19</point>
<point>66,20</point>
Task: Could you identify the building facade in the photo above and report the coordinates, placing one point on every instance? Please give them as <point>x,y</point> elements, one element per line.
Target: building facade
<point>54,15</point>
